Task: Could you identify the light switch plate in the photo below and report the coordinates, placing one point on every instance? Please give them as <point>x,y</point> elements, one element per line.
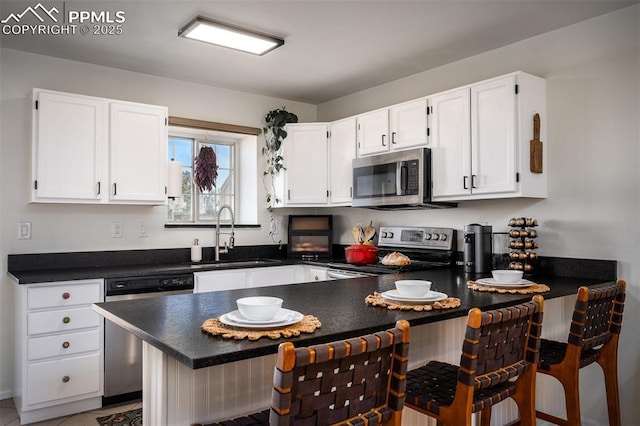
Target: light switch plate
<point>143,230</point>
<point>24,230</point>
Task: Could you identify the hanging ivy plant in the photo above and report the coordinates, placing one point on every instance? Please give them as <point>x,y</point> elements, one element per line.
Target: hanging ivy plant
<point>274,134</point>
<point>206,169</point>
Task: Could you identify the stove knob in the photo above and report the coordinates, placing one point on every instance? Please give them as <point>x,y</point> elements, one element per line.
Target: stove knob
<point>435,237</point>
<point>443,237</point>
<point>427,237</point>
<point>389,234</point>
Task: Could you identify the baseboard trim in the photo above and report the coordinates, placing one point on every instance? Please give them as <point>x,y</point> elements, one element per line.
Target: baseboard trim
<point>6,394</point>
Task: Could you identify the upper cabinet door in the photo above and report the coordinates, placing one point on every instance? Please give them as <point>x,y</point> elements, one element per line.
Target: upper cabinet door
<point>373,132</point>
<point>305,160</point>
<point>68,143</point>
<point>493,135</point>
<point>138,153</point>
<point>408,125</point>
<point>450,144</point>
<point>342,151</point>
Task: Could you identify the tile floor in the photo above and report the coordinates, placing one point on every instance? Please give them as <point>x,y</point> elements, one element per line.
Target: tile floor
<point>9,415</point>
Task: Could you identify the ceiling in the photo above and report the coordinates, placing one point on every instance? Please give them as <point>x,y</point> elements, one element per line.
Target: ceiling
<point>332,48</point>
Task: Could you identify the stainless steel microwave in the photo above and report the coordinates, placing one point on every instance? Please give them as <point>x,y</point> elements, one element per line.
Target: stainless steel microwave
<point>394,180</point>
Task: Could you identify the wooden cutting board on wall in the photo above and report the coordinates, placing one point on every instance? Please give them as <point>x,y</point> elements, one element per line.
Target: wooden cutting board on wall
<point>535,147</point>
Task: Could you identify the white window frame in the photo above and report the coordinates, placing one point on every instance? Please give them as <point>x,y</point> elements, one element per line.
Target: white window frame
<point>245,172</point>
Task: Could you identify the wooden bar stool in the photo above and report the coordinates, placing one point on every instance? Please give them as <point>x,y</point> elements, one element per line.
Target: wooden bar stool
<point>593,337</point>
<point>355,381</point>
<point>498,361</point>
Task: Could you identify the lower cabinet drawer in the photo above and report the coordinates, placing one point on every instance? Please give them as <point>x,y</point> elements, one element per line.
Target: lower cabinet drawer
<point>64,378</point>
<point>63,344</point>
<point>61,320</point>
<point>64,294</point>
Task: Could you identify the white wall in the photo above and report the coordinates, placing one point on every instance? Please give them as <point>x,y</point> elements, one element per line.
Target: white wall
<point>593,142</point>
<point>61,228</point>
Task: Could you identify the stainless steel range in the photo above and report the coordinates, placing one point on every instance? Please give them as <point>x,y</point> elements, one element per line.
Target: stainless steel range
<point>427,247</point>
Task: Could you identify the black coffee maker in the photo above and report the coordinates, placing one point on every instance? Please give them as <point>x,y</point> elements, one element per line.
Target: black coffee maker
<point>477,248</point>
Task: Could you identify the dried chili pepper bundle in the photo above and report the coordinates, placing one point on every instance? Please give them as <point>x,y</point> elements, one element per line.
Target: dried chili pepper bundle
<point>206,170</point>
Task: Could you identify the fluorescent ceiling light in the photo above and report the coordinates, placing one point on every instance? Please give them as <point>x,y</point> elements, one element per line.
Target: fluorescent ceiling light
<point>221,34</point>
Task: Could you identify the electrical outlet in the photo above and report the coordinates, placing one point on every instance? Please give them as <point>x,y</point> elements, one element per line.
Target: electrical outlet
<point>116,229</point>
<point>143,230</point>
<point>24,230</point>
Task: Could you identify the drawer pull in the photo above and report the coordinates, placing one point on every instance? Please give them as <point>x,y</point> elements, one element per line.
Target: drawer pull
<point>65,345</point>
<point>65,295</point>
<point>66,320</point>
<point>65,379</point>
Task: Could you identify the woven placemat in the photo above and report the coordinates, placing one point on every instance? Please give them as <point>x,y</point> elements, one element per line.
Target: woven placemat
<point>376,299</point>
<point>213,326</point>
<point>535,288</point>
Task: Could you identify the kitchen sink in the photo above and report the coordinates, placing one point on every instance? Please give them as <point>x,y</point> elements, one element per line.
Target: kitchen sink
<point>234,263</point>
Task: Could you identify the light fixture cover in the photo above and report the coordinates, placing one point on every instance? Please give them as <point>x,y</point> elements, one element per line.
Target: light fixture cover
<point>226,35</point>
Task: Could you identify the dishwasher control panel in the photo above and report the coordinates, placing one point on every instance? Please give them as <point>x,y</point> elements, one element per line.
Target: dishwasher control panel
<point>148,284</point>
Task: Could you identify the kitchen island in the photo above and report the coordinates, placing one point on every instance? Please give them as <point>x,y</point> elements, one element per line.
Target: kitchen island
<point>190,376</point>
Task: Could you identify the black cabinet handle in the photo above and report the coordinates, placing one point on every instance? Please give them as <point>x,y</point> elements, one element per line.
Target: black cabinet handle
<point>464,182</point>
<point>115,189</point>
<point>473,181</point>
<point>383,144</point>
<point>98,191</point>
<point>393,138</point>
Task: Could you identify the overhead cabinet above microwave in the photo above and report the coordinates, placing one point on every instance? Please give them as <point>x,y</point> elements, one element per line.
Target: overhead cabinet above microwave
<point>95,150</point>
<point>480,136</point>
<point>394,128</point>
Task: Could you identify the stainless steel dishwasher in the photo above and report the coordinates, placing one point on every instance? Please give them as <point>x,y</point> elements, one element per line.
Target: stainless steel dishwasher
<point>123,350</point>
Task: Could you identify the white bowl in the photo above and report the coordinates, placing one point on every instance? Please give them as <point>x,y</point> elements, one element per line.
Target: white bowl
<point>507,276</point>
<point>413,288</point>
<point>259,308</point>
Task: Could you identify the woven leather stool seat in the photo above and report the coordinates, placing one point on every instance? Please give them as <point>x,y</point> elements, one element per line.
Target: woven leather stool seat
<point>593,337</point>
<point>498,361</point>
<point>355,381</point>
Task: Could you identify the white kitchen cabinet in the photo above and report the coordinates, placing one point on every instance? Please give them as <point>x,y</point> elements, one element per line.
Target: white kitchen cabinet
<point>408,125</point>
<point>96,150</point>
<point>342,151</point>
<point>373,132</point>
<point>305,152</point>
<point>314,273</point>
<point>275,275</point>
<point>220,280</point>
<point>69,146</point>
<point>137,152</point>
<point>480,139</point>
<point>59,349</point>
<point>399,127</point>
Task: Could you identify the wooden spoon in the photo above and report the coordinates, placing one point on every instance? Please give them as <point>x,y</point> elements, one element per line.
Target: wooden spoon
<point>355,231</point>
<point>369,233</point>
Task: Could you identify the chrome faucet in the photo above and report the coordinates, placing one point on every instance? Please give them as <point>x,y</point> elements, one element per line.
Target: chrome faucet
<point>226,248</point>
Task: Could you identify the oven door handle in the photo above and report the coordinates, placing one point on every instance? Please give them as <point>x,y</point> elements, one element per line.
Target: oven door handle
<point>343,275</point>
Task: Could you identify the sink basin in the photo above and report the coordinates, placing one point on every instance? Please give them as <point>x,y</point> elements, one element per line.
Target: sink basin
<point>234,263</point>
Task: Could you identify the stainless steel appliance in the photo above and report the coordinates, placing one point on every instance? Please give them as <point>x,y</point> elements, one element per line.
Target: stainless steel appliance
<point>123,350</point>
<point>478,248</point>
<point>427,247</point>
<point>394,180</point>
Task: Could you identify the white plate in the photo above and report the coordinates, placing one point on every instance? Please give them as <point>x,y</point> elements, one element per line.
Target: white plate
<point>432,296</point>
<point>493,283</point>
<point>282,318</point>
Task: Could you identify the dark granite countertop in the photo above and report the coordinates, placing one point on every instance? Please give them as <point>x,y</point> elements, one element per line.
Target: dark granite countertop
<point>172,323</point>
